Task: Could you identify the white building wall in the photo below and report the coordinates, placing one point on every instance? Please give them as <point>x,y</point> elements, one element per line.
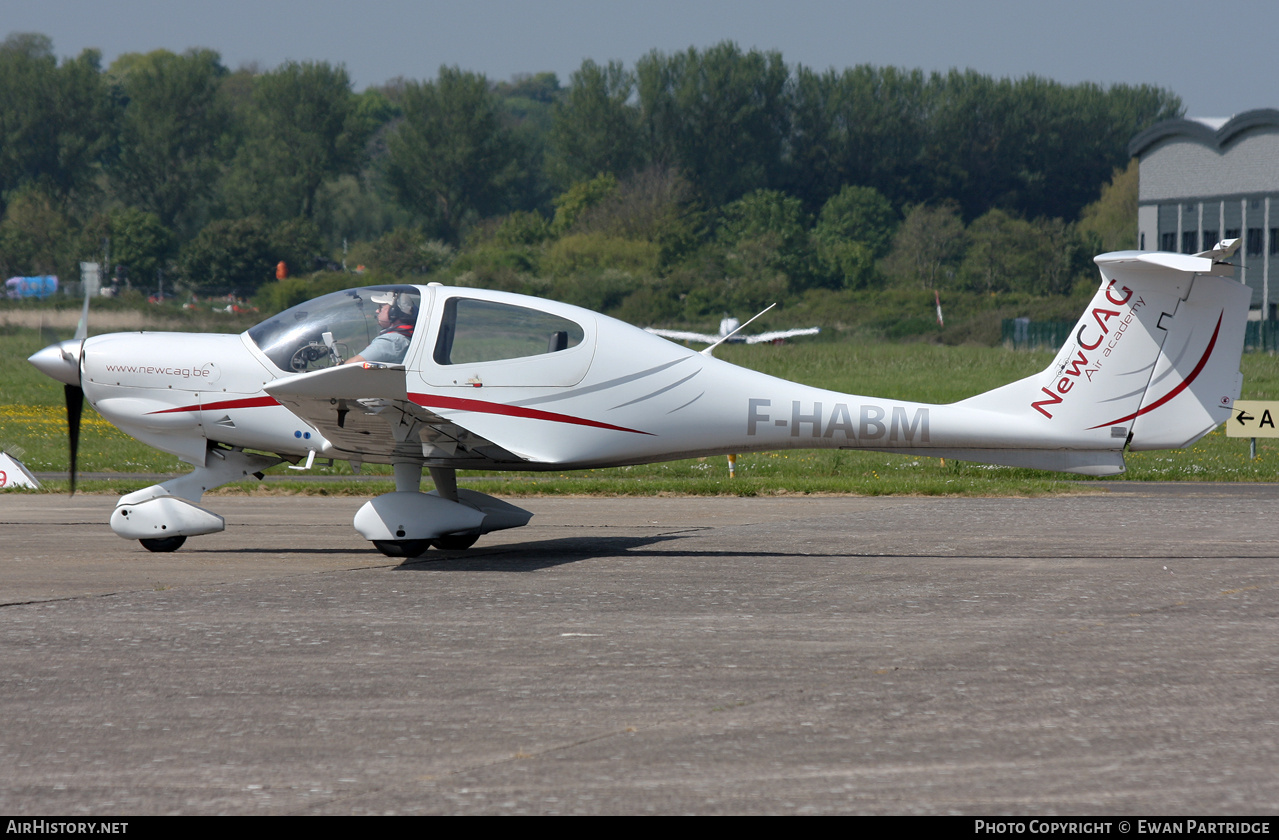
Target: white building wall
<point>1148,227</point>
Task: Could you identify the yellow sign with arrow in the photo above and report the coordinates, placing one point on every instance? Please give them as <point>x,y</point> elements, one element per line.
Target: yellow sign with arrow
<point>1254,419</point>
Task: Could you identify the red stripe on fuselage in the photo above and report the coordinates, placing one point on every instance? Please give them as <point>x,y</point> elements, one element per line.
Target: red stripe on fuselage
<point>482,407</point>
<point>247,402</point>
<point>428,401</point>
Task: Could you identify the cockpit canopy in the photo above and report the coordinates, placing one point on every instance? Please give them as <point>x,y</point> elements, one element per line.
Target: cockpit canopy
<point>331,329</point>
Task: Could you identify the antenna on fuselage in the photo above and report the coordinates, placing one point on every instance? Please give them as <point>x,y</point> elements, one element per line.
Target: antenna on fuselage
<point>708,350</point>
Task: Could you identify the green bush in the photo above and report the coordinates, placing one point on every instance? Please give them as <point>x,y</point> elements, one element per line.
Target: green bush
<point>592,253</point>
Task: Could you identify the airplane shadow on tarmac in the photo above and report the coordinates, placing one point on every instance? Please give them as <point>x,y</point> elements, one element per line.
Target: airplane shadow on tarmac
<point>543,554</point>
<point>515,557</point>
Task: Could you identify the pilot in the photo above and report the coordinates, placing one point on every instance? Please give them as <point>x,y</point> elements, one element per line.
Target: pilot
<point>395,317</point>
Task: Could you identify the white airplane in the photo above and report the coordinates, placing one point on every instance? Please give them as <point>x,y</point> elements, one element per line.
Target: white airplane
<point>499,381</point>
<point>728,329</point>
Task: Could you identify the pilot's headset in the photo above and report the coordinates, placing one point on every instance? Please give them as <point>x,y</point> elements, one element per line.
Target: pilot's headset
<point>401,311</point>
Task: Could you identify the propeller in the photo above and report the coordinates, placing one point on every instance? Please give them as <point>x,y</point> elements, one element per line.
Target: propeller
<point>75,404</point>
<point>61,361</point>
<point>75,393</point>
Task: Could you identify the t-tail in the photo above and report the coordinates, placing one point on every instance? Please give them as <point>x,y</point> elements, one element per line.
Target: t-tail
<point>1153,363</point>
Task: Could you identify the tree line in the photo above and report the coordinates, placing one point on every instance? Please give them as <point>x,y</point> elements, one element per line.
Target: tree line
<point>689,183</point>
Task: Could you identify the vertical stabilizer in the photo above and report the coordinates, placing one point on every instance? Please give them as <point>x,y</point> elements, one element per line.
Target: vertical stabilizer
<point>1153,361</point>
<point>1195,380</point>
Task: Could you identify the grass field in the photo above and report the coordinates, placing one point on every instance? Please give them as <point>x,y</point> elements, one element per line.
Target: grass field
<point>33,428</point>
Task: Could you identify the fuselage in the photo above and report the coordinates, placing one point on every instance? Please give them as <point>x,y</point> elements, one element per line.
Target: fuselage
<point>612,395</point>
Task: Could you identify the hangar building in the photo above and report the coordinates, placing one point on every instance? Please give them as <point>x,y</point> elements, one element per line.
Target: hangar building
<point>1203,180</point>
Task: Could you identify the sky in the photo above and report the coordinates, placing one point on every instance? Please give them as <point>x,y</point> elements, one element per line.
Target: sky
<point>1221,57</point>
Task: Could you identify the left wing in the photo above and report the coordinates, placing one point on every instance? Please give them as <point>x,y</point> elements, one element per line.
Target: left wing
<point>365,413</point>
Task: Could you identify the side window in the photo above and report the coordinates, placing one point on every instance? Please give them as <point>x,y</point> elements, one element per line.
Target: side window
<point>482,331</point>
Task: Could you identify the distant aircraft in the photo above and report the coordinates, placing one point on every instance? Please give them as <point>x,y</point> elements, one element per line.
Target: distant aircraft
<point>498,381</point>
<point>728,329</point>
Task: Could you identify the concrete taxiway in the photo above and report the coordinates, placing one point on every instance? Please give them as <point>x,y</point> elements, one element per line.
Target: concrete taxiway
<point>1107,653</point>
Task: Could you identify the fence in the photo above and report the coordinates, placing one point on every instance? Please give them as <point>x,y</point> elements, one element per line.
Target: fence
<point>1025,334</point>
<point>1261,337</point>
